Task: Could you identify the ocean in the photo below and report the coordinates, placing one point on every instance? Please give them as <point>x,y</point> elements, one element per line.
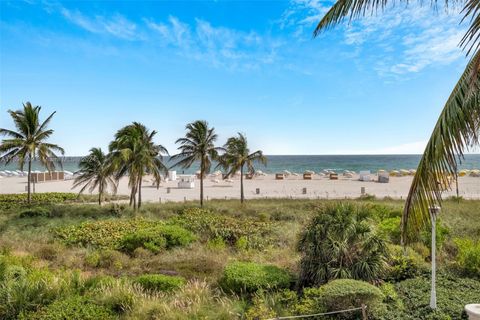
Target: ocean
<point>300,163</point>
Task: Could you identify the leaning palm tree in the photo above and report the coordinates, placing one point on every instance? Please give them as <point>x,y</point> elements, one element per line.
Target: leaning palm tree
<point>134,153</point>
<point>457,128</point>
<point>237,156</point>
<point>198,145</point>
<point>29,142</point>
<point>95,172</point>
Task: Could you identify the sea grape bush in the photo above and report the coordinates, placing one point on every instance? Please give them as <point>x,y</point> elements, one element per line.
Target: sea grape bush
<point>125,234</point>
<point>249,277</point>
<point>468,256</point>
<point>160,282</point>
<point>253,234</point>
<point>17,199</point>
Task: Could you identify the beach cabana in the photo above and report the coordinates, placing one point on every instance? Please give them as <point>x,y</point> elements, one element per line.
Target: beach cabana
<point>333,176</point>
<point>186,181</point>
<point>365,175</point>
<point>307,176</point>
<point>383,176</point>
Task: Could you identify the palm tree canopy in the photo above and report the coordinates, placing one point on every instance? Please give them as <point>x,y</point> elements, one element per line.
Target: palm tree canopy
<point>135,153</point>
<point>237,154</point>
<point>457,128</point>
<point>94,172</point>
<point>197,145</point>
<point>30,139</point>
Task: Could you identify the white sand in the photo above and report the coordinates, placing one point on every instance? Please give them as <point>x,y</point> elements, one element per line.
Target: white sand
<point>319,187</point>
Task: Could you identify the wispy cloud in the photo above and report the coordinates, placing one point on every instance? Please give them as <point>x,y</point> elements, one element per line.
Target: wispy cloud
<point>220,46</point>
<point>117,25</point>
<point>397,41</point>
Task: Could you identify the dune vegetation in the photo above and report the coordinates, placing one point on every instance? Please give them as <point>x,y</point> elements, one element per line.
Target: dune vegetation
<point>62,258</point>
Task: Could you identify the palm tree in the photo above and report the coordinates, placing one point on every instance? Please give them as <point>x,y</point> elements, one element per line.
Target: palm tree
<point>29,141</point>
<point>457,128</point>
<point>198,145</point>
<point>95,172</point>
<point>237,156</point>
<point>133,152</point>
<point>340,243</point>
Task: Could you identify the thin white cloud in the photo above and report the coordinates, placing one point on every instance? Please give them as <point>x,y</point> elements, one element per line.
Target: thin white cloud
<point>400,40</point>
<point>117,25</point>
<point>219,46</point>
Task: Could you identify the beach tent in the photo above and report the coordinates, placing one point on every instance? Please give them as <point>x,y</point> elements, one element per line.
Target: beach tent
<point>365,175</point>
<point>186,181</point>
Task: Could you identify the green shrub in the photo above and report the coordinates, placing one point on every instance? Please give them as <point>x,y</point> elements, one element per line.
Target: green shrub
<point>106,258</point>
<point>160,282</point>
<point>126,234</point>
<point>468,256</point>
<point>248,277</point>
<point>119,296</point>
<point>156,239</point>
<point>211,226</point>
<point>71,308</point>
<point>98,281</point>
<point>339,242</point>
<point>19,199</point>
<point>401,266</point>
<point>23,289</point>
<point>453,293</point>
<point>390,229</point>
<point>343,294</point>
<point>35,212</point>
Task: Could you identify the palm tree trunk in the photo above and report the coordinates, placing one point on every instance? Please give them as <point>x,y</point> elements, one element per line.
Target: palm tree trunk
<point>139,192</point>
<point>201,184</point>
<point>100,191</point>
<point>241,184</point>
<point>29,178</point>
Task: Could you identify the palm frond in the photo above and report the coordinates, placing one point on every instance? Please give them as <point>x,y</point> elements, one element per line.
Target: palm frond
<point>456,130</point>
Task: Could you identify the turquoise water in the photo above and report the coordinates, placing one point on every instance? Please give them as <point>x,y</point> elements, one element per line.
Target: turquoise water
<point>299,163</point>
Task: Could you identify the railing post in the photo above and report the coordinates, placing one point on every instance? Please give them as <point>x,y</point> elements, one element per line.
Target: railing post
<point>364,312</point>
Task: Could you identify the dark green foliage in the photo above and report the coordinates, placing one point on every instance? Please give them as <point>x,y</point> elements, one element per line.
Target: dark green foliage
<point>339,242</point>
<point>403,266</point>
<point>256,234</point>
<point>160,282</point>
<point>248,277</point>
<point>35,212</point>
<point>156,239</point>
<point>343,294</point>
<point>19,199</point>
<point>125,234</point>
<point>453,293</point>
<point>468,257</point>
<point>389,228</point>
<point>23,288</point>
<point>71,308</point>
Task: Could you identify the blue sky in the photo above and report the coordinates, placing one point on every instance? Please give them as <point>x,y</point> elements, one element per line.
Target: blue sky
<point>375,86</point>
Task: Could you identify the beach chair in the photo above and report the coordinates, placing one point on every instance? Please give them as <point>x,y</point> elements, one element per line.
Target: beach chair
<point>249,176</point>
<point>333,176</point>
<point>279,176</point>
<point>307,176</point>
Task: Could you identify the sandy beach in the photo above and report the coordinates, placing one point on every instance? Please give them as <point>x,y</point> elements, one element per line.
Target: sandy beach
<point>291,187</point>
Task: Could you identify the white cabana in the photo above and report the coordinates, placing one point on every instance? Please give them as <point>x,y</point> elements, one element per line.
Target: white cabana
<point>172,175</point>
<point>365,175</point>
<point>186,181</point>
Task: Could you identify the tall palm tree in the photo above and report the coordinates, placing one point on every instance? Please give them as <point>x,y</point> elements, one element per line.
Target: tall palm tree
<point>29,141</point>
<point>95,172</point>
<point>457,128</point>
<point>198,145</point>
<point>133,152</point>
<point>237,156</point>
